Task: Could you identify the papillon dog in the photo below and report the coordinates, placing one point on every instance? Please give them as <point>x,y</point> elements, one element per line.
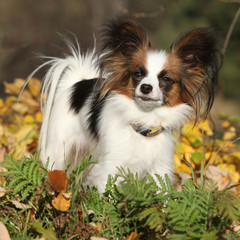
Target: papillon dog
<point>122,101</point>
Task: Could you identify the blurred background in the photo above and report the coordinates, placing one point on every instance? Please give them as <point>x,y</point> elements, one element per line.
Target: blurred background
<point>31,28</point>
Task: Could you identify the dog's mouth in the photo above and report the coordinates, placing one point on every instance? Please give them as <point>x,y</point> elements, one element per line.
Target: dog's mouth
<point>147,99</point>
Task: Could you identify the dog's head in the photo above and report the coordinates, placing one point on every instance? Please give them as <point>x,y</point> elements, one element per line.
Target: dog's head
<point>187,73</point>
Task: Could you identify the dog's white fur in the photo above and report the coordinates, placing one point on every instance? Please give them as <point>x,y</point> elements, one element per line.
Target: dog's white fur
<point>65,135</point>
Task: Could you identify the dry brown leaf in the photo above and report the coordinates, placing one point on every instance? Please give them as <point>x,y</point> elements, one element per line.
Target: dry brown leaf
<point>2,170</point>
<point>220,177</point>
<point>19,108</point>
<point>96,226</point>
<point>98,238</point>
<point>27,99</point>
<point>132,236</point>
<point>58,180</point>
<point>4,232</point>
<point>15,87</point>
<point>20,205</point>
<point>2,192</point>
<point>61,203</point>
<point>3,151</point>
<point>34,86</point>
<point>66,195</point>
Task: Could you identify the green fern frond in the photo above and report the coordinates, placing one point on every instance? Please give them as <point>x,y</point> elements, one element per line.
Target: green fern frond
<point>26,192</point>
<point>20,186</point>
<point>31,169</point>
<point>24,176</point>
<point>228,206</point>
<point>14,181</point>
<point>154,217</point>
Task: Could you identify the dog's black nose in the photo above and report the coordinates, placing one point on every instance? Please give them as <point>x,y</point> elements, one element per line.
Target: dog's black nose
<point>146,88</point>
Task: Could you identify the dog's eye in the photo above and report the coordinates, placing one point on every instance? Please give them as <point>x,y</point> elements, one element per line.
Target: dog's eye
<point>166,79</point>
<point>137,74</point>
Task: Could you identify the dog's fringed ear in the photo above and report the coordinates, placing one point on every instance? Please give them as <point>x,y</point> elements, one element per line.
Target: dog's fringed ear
<point>200,57</point>
<point>123,35</point>
<point>123,42</point>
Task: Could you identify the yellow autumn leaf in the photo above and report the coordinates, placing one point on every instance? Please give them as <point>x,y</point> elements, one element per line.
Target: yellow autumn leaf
<point>183,168</point>
<point>17,119</point>
<point>15,87</point>
<point>1,103</point>
<point>236,154</point>
<point>18,150</point>
<point>27,99</point>
<point>188,157</point>
<point>19,83</point>
<point>20,108</point>
<point>227,167</point>
<point>177,160</point>
<point>226,124</point>
<point>3,140</point>
<point>184,148</point>
<point>1,131</point>
<point>227,158</point>
<point>190,131</point>
<point>39,117</point>
<point>179,164</point>
<point>25,94</point>
<point>29,119</point>
<point>61,202</point>
<point>211,156</point>
<point>25,132</point>
<point>230,168</point>
<point>230,134</point>
<point>34,86</point>
<point>206,127</point>
<point>10,100</point>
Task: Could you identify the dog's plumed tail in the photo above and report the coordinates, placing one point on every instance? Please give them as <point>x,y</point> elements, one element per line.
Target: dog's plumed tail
<point>56,92</point>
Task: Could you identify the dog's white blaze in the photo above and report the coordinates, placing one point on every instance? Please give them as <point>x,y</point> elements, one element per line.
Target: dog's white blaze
<point>154,65</point>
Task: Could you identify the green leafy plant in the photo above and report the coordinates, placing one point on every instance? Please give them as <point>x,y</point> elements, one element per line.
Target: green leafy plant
<point>24,176</point>
<point>197,212</point>
<point>149,207</point>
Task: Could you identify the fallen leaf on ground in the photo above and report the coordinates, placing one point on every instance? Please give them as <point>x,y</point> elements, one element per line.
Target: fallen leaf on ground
<point>2,169</point>
<point>15,87</point>
<point>96,226</point>
<point>47,233</point>
<point>230,134</point>
<point>61,203</point>
<point>20,205</point>
<point>98,238</point>
<point>2,191</point>
<point>220,177</point>
<point>58,180</point>
<point>226,124</point>
<point>132,236</point>
<point>4,232</point>
<point>34,86</point>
